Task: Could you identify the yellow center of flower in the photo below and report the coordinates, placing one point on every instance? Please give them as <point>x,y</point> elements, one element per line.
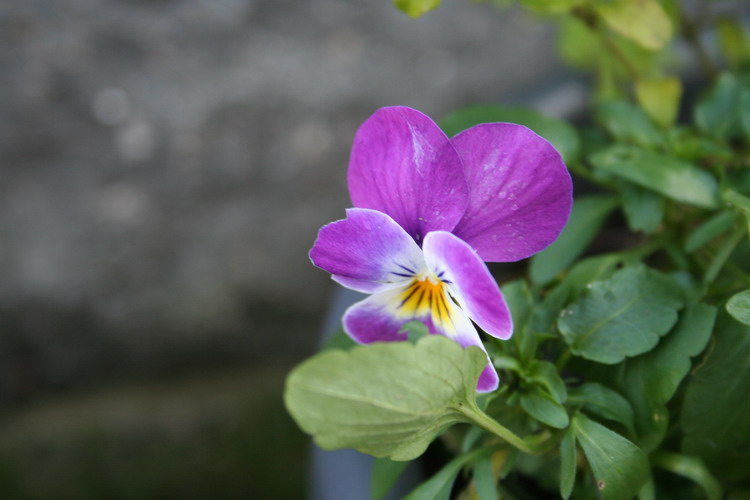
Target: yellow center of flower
<point>427,295</point>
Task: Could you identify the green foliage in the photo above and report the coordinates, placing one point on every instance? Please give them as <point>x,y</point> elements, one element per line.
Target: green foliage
<point>663,368</point>
<point>484,481</point>
<point>718,113</point>
<point>629,123</point>
<point>710,229</point>
<point>619,380</point>
<point>644,22</point>
<point>739,307</point>
<point>567,464</point>
<point>665,174</point>
<point>734,42</point>
<point>385,473</point>
<point>416,8</point>
<point>543,407</point>
<point>587,216</point>
<point>603,402</point>
<point>622,316</point>
<point>660,98</point>
<point>620,468</point>
<point>388,400</point>
<point>644,209</point>
<point>438,487</point>
<point>715,412</point>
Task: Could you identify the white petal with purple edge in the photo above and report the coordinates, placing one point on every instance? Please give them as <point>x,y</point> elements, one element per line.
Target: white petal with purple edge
<point>520,192</point>
<point>468,278</point>
<point>403,165</point>
<point>366,246</point>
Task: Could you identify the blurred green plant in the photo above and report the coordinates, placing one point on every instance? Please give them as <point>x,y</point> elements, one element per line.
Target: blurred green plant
<point>629,370</point>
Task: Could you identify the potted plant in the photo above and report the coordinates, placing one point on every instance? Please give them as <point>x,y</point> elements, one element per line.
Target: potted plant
<point>604,370</point>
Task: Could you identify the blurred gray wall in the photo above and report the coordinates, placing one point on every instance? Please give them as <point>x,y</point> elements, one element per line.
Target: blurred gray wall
<point>165,166</point>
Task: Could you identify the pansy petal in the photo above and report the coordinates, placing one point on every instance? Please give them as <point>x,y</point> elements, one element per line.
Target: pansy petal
<point>368,246</point>
<point>520,191</point>
<point>402,164</point>
<point>467,276</point>
<point>375,319</point>
<point>363,286</point>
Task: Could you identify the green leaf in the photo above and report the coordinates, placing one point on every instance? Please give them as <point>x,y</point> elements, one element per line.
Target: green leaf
<point>723,253</point>
<point>642,21</point>
<point>543,407</point>
<point>628,123</point>
<point>713,227</point>
<point>664,368</point>
<point>587,216</point>
<point>520,303</point>
<point>644,209</point>
<point>567,464</point>
<point>660,97</point>
<point>622,316</point>
<point>587,271</point>
<point>716,406</point>
<point>545,374</point>
<point>385,473</point>
<point>745,110</point>
<point>666,365</point>
<point>691,145</point>
<point>561,134</point>
<point>484,482</point>
<point>416,8</point>
<point>387,400</point>
<point>550,6</point>
<point>732,40</point>
<point>740,201</point>
<point>739,307</point>
<point>691,468</point>
<point>438,487</point>
<point>415,330</point>
<point>672,177</point>
<point>718,113</point>
<point>620,468</point>
<point>604,402</point>
<point>339,340</point>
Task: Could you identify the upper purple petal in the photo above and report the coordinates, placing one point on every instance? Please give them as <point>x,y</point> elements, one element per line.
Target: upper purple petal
<point>367,246</point>
<point>520,192</point>
<point>458,265</point>
<point>403,165</point>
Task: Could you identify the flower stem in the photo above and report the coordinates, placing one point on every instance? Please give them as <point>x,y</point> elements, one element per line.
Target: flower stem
<point>477,416</point>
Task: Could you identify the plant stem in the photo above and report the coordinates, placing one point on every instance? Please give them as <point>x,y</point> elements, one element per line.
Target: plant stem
<point>481,419</point>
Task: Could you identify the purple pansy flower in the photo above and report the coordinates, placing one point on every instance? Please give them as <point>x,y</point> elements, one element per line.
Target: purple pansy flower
<point>429,211</point>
